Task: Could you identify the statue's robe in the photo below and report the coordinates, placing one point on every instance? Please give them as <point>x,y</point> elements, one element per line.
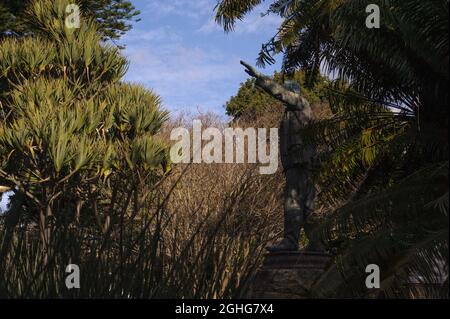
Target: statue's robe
<point>296,158</point>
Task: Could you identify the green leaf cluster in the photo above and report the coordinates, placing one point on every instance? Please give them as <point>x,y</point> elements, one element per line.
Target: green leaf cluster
<point>68,125</point>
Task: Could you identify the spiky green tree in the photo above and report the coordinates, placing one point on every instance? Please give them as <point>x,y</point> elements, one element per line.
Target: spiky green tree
<point>384,167</point>
<point>113,17</point>
<point>76,144</point>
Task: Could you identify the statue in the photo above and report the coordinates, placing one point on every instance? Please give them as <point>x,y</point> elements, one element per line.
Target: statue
<point>297,159</point>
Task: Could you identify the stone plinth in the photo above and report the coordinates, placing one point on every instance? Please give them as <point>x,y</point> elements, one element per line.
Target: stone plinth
<point>288,275</point>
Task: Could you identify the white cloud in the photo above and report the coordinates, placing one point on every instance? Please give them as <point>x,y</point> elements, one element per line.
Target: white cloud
<point>209,27</point>
<point>186,75</point>
<point>186,58</point>
<point>158,34</point>
<point>185,8</point>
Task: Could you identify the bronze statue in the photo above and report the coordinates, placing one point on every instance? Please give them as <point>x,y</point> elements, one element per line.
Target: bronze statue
<point>297,158</point>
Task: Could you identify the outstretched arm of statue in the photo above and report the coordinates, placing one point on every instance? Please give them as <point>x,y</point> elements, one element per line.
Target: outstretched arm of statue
<point>293,100</point>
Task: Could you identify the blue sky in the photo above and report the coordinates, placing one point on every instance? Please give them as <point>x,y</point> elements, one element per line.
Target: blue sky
<point>178,51</point>
<point>4,201</point>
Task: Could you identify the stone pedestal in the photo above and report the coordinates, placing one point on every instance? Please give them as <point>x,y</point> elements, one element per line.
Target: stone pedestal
<point>288,275</point>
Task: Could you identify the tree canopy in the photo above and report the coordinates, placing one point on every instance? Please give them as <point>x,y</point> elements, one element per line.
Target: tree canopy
<point>113,17</point>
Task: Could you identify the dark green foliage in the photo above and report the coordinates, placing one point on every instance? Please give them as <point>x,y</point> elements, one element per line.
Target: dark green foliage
<point>249,100</point>
<point>113,17</point>
<point>12,21</point>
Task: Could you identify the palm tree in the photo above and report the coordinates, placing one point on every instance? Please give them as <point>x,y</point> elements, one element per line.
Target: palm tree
<point>384,166</point>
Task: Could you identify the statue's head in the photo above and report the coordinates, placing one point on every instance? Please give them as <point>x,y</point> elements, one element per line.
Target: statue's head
<point>292,86</point>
